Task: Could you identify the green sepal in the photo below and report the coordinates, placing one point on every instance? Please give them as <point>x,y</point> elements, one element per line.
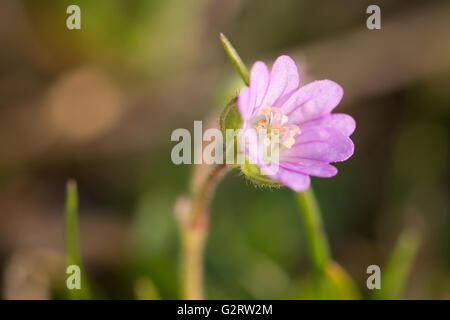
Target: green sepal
<point>230,118</point>
<point>253,173</point>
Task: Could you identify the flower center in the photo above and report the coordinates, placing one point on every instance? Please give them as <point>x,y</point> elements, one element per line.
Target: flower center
<point>274,122</point>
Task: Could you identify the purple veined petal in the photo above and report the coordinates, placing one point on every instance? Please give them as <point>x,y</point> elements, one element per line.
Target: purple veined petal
<point>339,121</point>
<point>248,142</point>
<point>312,101</point>
<point>319,143</point>
<point>244,104</point>
<point>259,80</point>
<point>252,96</point>
<point>309,134</point>
<point>283,80</point>
<point>294,180</point>
<point>311,167</point>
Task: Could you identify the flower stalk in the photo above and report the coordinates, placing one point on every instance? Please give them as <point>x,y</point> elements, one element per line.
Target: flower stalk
<point>193,213</point>
<point>192,250</point>
<point>316,238</point>
<point>193,218</point>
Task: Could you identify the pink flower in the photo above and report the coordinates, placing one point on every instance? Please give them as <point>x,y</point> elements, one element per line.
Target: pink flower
<point>310,135</point>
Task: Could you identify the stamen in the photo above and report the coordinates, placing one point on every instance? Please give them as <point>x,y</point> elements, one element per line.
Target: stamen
<point>266,111</point>
<point>289,142</point>
<point>274,124</point>
<point>293,130</point>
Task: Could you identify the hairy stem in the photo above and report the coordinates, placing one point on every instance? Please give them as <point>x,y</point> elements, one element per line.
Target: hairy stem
<point>194,228</point>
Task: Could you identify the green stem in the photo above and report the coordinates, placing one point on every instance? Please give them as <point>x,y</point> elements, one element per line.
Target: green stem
<point>315,236</point>
<point>235,59</point>
<point>194,230</point>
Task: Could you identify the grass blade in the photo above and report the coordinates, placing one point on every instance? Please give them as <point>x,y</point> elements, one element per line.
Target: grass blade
<point>73,256</point>
<point>398,267</point>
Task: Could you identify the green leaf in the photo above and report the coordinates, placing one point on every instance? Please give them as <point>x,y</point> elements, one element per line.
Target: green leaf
<point>336,285</point>
<point>145,289</point>
<point>339,284</point>
<point>395,274</point>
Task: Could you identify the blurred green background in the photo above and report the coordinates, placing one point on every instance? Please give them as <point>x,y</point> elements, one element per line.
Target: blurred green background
<point>99,105</point>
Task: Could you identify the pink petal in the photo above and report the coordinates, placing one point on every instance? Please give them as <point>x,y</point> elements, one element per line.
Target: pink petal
<point>259,79</point>
<point>312,101</point>
<point>283,81</point>
<point>249,139</point>
<point>310,134</point>
<point>319,143</point>
<point>294,180</point>
<point>312,168</point>
<point>339,121</point>
<point>252,96</point>
<point>244,104</point>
